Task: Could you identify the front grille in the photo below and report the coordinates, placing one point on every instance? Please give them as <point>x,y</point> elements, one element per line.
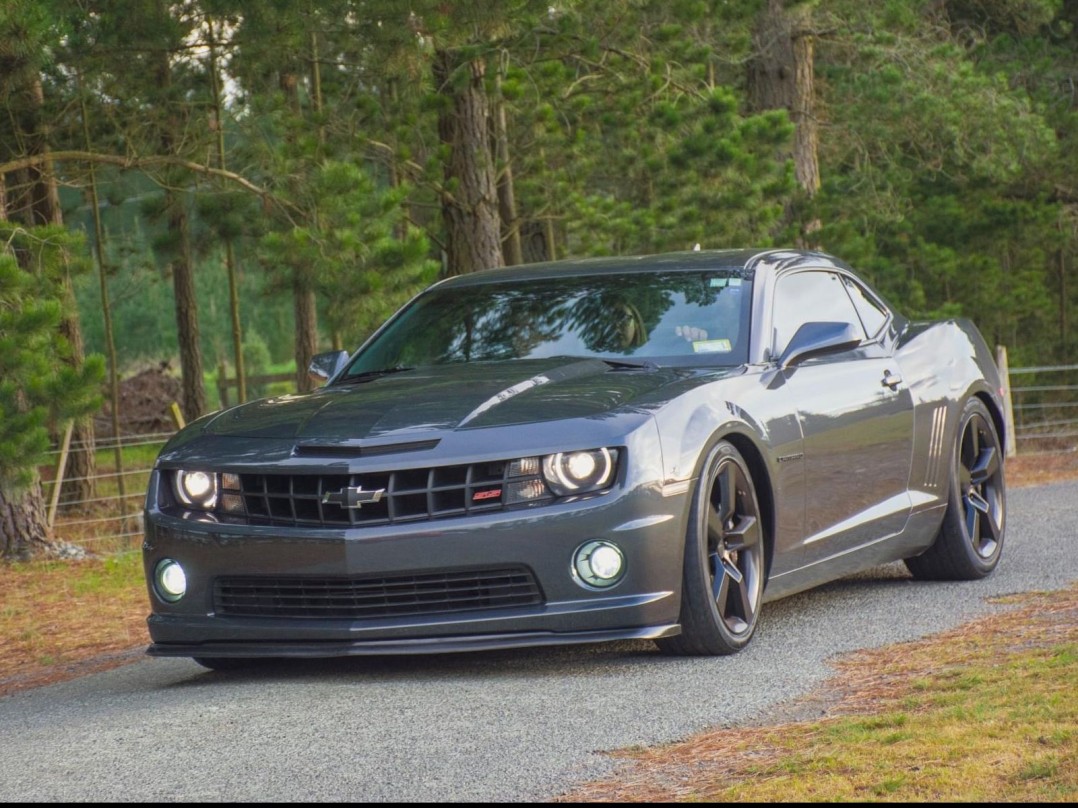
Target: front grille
<point>410,495</point>
<point>367,597</point>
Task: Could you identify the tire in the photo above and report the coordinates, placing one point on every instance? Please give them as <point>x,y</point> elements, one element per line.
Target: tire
<point>970,540</point>
<point>225,663</point>
<point>723,578</point>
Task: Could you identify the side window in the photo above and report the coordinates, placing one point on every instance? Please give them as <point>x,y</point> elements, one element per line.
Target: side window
<point>873,315</point>
<point>809,297</point>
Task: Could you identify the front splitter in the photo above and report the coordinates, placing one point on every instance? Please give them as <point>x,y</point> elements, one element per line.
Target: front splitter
<point>432,645</point>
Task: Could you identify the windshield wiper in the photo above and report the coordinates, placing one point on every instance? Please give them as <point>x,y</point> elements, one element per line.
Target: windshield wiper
<point>370,375</point>
<point>630,364</point>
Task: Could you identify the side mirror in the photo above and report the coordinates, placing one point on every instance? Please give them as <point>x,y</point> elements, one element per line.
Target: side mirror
<point>325,366</point>
<point>817,339</point>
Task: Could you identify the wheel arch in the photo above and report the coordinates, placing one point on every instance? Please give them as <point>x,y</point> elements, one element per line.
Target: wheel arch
<point>998,421</point>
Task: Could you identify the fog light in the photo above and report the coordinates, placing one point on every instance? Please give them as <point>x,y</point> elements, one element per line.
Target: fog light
<point>171,580</point>
<point>598,564</point>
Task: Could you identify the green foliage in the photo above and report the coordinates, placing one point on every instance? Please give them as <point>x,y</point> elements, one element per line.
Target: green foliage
<point>353,249</point>
<point>256,361</point>
<point>942,171</point>
<point>37,387</point>
<point>948,147</point>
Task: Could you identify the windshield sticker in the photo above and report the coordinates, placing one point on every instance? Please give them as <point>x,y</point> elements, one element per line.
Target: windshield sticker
<point>712,346</point>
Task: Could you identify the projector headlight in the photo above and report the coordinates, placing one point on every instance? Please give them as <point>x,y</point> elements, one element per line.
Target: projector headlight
<point>568,473</point>
<point>197,489</point>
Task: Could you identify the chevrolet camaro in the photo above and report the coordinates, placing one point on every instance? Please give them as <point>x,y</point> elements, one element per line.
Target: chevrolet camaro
<point>581,451</point>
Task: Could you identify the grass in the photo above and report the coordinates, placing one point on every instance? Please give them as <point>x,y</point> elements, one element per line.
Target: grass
<point>986,712</point>
<point>57,615</point>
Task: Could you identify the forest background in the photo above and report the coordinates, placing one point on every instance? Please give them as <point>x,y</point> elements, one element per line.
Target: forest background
<point>208,182</point>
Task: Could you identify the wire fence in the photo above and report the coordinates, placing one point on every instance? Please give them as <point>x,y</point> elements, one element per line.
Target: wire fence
<point>1044,401</point>
<point>109,520</point>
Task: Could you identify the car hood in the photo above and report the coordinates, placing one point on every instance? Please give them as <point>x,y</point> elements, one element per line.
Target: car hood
<point>449,397</point>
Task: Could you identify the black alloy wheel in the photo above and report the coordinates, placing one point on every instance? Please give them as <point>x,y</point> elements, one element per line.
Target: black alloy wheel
<point>970,539</point>
<point>723,579</point>
<point>980,478</point>
<point>734,548</point>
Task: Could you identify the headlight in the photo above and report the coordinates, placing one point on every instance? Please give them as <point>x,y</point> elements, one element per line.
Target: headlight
<point>568,473</point>
<point>196,488</point>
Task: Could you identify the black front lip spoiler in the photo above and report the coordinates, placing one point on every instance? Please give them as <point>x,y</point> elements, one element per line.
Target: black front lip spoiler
<point>431,645</point>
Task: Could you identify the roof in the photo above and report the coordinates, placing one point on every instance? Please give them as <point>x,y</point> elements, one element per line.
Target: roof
<point>689,260</point>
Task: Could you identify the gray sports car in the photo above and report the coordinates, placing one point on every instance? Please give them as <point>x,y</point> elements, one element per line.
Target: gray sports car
<point>581,451</point>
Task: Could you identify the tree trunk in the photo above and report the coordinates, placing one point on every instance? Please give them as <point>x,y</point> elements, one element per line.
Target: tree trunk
<point>781,76</point>
<point>24,531</point>
<point>79,483</point>
<point>1062,302</point>
<point>306,333</point>
<point>512,252</point>
<point>470,199</point>
<point>230,255</point>
<point>803,113</point>
<point>182,269</point>
<point>771,68</point>
<point>80,478</point>
<point>183,289</point>
<point>304,305</point>
<point>23,528</point>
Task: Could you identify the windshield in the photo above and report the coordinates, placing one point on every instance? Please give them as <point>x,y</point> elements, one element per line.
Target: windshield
<point>679,318</point>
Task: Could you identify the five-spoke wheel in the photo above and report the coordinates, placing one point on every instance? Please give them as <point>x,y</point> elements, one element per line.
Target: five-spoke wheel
<point>723,579</point>
<point>971,537</point>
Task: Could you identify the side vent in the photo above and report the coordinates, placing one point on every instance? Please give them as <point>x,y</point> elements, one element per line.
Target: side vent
<point>935,448</point>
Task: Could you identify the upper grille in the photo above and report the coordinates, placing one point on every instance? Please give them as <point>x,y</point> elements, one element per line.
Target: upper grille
<point>410,495</point>
<point>357,598</point>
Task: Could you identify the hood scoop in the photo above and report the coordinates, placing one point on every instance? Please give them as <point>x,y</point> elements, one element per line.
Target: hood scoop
<point>360,449</point>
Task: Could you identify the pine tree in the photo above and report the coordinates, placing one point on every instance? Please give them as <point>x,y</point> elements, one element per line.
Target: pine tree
<point>38,386</point>
<point>30,32</point>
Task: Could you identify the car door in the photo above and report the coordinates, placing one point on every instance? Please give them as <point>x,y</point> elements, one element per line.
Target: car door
<point>856,417</point>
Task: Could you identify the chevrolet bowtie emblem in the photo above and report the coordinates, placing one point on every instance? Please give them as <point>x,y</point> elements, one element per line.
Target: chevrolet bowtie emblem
<point>352,497</point>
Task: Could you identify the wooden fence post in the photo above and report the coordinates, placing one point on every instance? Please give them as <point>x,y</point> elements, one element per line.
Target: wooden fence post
<point>1010,445</point>
<point>61,467</point>
<point>177,415</point>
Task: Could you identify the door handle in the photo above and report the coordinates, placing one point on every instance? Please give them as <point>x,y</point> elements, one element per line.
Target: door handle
<point>892,380</point>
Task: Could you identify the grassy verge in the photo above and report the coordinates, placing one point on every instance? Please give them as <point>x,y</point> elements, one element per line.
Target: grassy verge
<point>60,619</point>
<point>986,712</point>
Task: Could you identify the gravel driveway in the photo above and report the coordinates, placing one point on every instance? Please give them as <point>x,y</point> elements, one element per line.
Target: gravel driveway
<point>500,726</point>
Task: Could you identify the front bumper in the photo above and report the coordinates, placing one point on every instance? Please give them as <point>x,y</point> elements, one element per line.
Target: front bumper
<point>644,604</point>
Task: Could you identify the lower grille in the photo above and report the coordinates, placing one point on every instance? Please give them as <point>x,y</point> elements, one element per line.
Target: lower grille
<point>394,596</point>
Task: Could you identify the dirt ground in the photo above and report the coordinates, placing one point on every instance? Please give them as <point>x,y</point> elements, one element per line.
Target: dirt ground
<point>144,403</point>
